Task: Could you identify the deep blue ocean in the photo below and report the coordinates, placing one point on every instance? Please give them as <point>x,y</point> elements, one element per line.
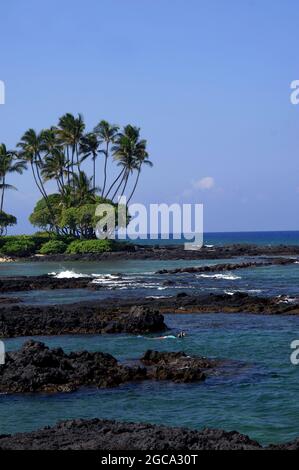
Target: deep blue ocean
<point>228,238</point>
<point>255,393</point>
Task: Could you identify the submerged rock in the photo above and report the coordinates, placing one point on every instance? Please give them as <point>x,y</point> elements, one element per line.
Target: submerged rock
<point>176,366</point>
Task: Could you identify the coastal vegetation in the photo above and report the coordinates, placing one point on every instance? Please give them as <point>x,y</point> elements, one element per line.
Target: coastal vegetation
<point>77,164</point>
<point>44,243</point>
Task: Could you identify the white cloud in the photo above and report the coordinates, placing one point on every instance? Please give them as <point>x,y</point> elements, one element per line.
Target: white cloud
<point>204,184</point>
<point>207,182</point>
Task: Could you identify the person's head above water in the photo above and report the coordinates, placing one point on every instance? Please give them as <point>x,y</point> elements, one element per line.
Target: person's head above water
<point>182,334</point>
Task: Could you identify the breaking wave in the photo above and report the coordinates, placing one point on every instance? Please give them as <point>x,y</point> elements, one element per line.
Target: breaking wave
<point>68,274</point>
<point>229,277</point>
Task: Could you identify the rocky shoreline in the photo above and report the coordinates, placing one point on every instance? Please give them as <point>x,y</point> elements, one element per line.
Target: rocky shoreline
<point>37,368</point>
<point>172,252</point>
<point>96,434</point>
<point>124,316</point>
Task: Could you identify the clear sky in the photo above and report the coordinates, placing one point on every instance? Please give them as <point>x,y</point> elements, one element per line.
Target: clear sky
<point>208,81</point>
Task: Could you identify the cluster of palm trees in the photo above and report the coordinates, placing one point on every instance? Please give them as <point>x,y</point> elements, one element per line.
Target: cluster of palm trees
<point>9,163</point>
<point>59,154</point>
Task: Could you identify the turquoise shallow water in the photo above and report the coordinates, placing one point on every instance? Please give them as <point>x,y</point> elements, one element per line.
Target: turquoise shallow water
<point>255,393</point>
<point>137,278</point>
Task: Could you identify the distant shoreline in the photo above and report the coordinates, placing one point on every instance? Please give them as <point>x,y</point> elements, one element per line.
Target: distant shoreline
<point>166,252</point>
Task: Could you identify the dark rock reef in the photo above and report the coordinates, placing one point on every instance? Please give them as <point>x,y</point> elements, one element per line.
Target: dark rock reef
<point>176,366</point>
<point>80,318</point>
<point>43,282</point>
<point>37,368</point>
<point>123,316</point>
<point>229,266</point>
<point>99,434</point>
<point>239,302</point>
<point>10,300</point>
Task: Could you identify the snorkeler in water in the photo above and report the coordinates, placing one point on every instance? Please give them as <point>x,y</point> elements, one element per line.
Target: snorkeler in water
<point>181,334</point>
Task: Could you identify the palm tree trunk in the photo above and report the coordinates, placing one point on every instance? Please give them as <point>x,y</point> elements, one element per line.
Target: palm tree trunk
<point>35,179</point>
<point>77,156</point>
<point>59,185</point>
<point>114,182</point>
<point>105,168</point>
<point>73,154</point>
<point>62,184</point>
<point>68,164</point>
<point>44,196</point>
<point>94,173</point>
<point>118,187</point>
<point>40,179</point>
<point>126,182</point>
<point>135,186</point>
<point>2,195</point>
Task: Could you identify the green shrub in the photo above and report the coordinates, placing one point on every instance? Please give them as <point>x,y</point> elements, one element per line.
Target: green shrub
<point>20,247</point>
<point>89,246</point>
<point>37,240</point>
<point>53,247</point>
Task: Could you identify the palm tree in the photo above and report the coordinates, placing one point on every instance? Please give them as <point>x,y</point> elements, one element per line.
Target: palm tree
<point>70,131</point>
<point>32,147</point>
<point>54,167</point>
<point>89,145</point>
<point>129,151</point>
<point>9,163</point>
<point>83,191</point>
<point>107,134</point>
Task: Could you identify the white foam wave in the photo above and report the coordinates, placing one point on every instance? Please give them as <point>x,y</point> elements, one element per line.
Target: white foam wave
<point>68,274</point>
<point>287,299</point>
<point>157,297</point>
<point>229,277</point>
<point>247,291</point>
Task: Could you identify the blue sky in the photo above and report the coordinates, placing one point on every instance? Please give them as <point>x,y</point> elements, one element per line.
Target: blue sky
<point>207,81</point>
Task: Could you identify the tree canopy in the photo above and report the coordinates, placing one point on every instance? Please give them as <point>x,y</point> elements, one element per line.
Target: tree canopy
<point>60,155</point>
